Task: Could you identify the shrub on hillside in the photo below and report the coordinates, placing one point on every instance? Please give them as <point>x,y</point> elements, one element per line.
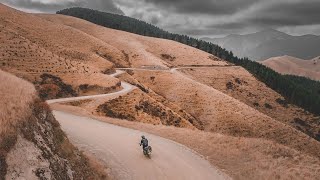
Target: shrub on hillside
<point>50,87</point>
<point>168,57</point>
<point>268,106</point>
<point>48,91</point>
<point>282,102</point>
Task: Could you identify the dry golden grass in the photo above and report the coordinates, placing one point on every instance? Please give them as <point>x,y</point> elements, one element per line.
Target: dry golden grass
<point>238,138</point>
<point>174,107</point>
<point>295,66</point>
<point>138,106</point>
<point>80,52</point>
<point>223,114</point>
<point>241,158</point>
<point>31,46</point>
<point>246,88</point>
<point>16,98</point>
<point>102,172</point>
<point>21,113</point>
<point>136,51</point>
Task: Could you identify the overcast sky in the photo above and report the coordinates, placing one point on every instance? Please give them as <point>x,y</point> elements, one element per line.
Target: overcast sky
<point>201,18</point>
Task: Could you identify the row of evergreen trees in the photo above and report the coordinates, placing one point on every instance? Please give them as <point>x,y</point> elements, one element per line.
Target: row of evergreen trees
<point>297,90</point>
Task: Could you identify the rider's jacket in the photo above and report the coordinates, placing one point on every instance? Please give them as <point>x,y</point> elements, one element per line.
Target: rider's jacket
<point>144,142</point>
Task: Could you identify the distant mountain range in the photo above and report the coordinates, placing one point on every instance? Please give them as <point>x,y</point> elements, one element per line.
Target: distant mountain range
<point>270,43</point>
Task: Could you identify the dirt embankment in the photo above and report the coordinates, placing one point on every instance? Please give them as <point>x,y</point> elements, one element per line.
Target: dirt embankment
<point>32,145</point>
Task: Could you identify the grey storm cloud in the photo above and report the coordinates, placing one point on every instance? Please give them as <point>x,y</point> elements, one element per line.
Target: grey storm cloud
<point>293,14</point>
<point>51,6</point>
<point>215,17</point>
<point>276,15</point>
<point>202,17</point>
<point>204,6</point>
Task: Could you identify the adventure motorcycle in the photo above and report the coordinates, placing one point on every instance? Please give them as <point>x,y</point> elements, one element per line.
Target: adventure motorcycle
<point>147,151</point>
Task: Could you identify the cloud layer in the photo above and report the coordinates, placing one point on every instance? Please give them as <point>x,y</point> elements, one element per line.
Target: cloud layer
<point>217,17</point>
<point>51,6</point>
<point>202,17</point>
<point>214,7</point>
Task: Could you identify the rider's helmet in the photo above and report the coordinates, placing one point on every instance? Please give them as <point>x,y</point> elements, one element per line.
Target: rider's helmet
<point>143,137</point>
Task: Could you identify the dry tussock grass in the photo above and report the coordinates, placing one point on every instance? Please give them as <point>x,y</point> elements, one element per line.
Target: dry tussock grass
<point>15,98</point>
<point>247,89</point>
<point>239,157</point>
<point>138,106</point>
<point>20,107</point>
<point>223,114</point>
<point>32,46</point>
<point>294,66</point>
<point>141,51</point>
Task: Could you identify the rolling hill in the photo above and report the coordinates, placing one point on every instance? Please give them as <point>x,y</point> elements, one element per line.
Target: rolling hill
<point>294,66</point>
<point>285,85</point>
<point>31,47</point>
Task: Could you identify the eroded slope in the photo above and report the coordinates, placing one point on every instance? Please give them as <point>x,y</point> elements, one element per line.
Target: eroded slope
<point>32,145</point>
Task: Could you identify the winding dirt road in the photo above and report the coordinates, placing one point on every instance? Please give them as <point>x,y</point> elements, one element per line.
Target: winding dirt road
<point>119,148</point>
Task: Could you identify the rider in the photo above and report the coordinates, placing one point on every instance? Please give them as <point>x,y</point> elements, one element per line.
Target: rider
<point>144,142</point>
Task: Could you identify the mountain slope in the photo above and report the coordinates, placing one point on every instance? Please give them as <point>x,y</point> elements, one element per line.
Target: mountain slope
<point>295,66</point>
<point>217,111</point>
<point>139,50</point>
<point>31,46</point>
<point>137,57</point>
<point>241,85</point>
<point>284,85</point>
<point>270,43</point>
<point>32,145</point>
<point>241,44</point>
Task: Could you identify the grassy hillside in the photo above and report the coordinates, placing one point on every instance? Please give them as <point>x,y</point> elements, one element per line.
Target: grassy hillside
<point>294,66</point>
<point>285,85</point>
<point>32,144</point>
<point>35,49</point>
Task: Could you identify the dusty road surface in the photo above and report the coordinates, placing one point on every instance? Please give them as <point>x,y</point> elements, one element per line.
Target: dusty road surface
<point>126,88</point>
<point>119,148</point>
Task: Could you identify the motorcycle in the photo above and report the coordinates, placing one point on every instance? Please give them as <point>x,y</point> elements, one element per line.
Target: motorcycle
<point>147,151</point>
